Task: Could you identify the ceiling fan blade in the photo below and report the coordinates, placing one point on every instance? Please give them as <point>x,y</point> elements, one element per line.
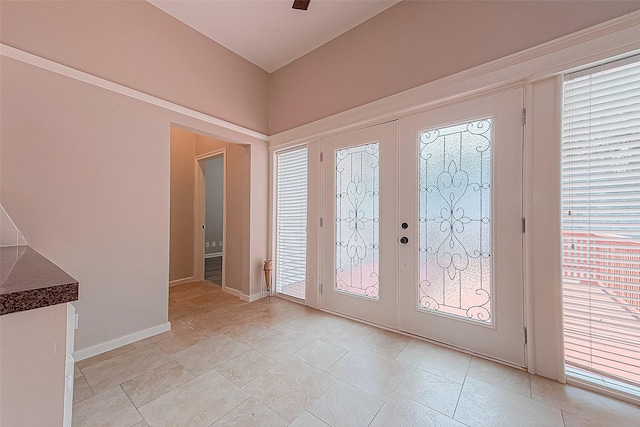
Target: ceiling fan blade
<point>301,4</point>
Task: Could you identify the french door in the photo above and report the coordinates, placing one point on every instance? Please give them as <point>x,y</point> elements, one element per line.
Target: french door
<point>460,276</point>
<point>423,225</point>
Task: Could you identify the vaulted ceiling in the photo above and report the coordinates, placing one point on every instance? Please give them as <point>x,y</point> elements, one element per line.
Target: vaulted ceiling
<point>270,33</point>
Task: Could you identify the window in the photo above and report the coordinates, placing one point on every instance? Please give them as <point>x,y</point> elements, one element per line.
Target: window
<point>601,223</point>
<point>291,222</point>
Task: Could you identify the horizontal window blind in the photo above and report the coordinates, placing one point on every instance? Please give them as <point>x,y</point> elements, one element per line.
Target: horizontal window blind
<point>291,208</point>
<point>601,220</point>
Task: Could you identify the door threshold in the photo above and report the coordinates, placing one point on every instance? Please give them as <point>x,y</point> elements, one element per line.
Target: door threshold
<point>430,341</point>
<point>290,298</point>
<point>603,385</point>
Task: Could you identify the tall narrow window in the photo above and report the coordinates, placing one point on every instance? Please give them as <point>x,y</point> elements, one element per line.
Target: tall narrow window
<point>601,224</point>
<point>291,218</point>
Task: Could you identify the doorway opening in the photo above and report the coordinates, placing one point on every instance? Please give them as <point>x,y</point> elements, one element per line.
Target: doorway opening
<point>213,170</point>
<point>190,152</point>
<point>209,220</point>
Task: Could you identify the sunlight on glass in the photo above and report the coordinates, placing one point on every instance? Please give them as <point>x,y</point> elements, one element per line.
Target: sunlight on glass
<point>601,222</point>
<point>357,220</point>
<point>455,220</point>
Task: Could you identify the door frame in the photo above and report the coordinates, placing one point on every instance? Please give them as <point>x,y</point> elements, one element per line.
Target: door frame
<point>199,202</point>
<point>515,120</point>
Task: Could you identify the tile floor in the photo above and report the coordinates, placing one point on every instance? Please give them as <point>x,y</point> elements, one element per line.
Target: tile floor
<point>277,363</point>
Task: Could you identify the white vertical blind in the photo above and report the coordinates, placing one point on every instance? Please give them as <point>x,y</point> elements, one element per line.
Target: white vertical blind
<point>601,220</point>
<point>291,208</point>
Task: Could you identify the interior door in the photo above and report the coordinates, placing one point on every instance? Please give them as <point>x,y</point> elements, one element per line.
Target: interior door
<point>460,272</point>
<point>360,208</point>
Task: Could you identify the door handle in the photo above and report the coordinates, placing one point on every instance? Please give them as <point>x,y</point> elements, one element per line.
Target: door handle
<point>404,240</point>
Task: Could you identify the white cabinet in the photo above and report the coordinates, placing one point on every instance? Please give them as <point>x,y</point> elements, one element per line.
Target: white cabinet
<point>68,367</point>
<point>35,358</point>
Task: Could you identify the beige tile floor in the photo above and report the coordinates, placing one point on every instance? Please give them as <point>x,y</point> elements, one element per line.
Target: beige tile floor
<point>277,363</point>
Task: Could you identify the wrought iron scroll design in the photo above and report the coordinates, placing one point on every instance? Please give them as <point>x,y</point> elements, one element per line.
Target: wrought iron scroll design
<point>455,169</point>
<point>357,220</point>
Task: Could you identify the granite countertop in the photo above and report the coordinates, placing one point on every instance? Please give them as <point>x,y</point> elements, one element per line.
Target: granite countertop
<point>28,280</point>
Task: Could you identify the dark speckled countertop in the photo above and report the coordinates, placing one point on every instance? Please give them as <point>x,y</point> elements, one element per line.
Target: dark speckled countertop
<point>28,281</point>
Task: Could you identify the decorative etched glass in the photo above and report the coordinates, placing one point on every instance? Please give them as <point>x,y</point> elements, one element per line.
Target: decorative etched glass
<point>357,220</point>
<point>455,220</point>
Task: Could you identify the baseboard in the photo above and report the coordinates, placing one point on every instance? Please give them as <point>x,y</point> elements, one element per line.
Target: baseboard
<point>254,297</point>
<point>234,292</point>
<point>213,255</point>
<point>119,342</point>
<point>181,281</point>
<point>245,297</point>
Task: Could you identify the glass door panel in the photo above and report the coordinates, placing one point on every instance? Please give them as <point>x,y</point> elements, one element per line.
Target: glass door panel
<point>291,222</point>
<point>360,242</point>
<point>357,220</point>
<point>601,225</point>
<point>454,214</point>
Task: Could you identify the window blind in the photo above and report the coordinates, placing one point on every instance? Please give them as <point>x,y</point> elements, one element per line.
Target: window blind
<point>291,208</point>
<point>601,220</point>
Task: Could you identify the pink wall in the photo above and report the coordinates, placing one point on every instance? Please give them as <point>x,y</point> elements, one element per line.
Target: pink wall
<point>85,175</point>
<point>85,178</point>
<point>416,42</point>
<point>139,46</point>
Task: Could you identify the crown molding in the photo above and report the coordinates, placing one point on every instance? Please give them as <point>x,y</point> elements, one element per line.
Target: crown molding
<point>63,70</point>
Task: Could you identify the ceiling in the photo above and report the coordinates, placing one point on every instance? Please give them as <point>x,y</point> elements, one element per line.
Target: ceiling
<point>270,33</point>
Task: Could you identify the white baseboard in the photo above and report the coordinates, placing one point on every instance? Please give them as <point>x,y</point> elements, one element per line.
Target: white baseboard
<point>181,281</point>
<point>254,297</point>
<point>234,292</point>
<point>119,342</point>
<point>213,255</point>
<point>243,297</point>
